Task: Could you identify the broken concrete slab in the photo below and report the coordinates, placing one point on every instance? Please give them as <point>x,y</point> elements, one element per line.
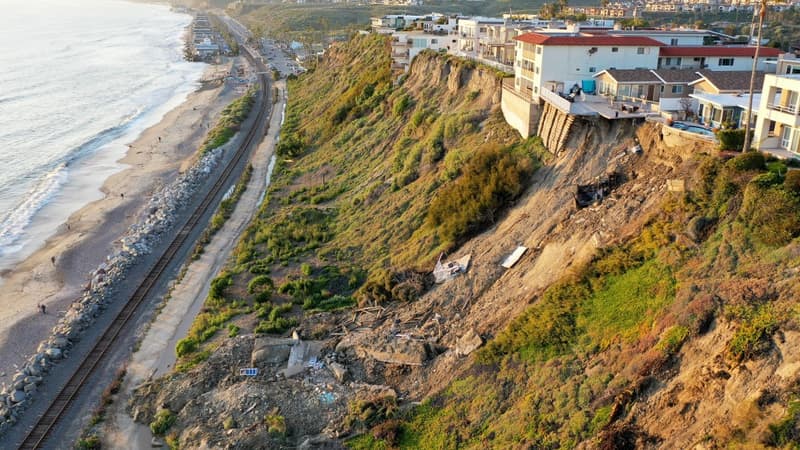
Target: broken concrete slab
<point>268,350</point>
<point>399,351</point>
<point>468,343</point>
<point>302,353</point>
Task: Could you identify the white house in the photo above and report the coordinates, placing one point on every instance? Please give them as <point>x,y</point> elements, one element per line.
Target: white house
<point>777,120</point>
<point>407,44</point>
<point>716,57</point>
<point>472,30</point>
<point>389,23</point>
<point>672,38</point>
<point>557,61</point>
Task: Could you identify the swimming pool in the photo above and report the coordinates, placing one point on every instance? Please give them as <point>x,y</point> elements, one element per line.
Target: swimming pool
<point>693,128</point>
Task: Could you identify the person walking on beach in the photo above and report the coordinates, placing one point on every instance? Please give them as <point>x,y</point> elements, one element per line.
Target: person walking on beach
<point>53,260</point>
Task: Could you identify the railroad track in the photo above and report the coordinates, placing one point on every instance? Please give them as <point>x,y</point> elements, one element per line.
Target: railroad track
<point>46,423</point>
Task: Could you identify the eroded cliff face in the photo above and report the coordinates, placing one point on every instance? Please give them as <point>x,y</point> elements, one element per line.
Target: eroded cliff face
<point>624,393</point>
<point>460,76</point>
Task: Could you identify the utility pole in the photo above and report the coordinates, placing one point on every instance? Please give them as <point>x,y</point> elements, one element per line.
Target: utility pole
<point>761,14</point>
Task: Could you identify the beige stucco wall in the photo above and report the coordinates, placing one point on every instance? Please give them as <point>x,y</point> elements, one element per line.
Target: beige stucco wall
<point>521,114</point>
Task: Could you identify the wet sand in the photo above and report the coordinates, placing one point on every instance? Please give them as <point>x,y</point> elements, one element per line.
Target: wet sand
<point>56,274</point>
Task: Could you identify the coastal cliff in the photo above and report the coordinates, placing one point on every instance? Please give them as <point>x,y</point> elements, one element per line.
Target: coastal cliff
<point>654,317</point>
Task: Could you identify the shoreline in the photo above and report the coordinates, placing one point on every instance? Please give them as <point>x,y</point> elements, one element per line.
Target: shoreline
<point>55,274</point>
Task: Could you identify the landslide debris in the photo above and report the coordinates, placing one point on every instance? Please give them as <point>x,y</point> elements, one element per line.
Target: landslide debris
<point>650,319</point>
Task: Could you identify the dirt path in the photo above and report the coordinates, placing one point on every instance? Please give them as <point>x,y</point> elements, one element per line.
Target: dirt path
<point>157,355</point>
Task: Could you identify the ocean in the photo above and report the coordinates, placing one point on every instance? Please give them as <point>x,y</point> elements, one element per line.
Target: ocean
<point>79,80</point>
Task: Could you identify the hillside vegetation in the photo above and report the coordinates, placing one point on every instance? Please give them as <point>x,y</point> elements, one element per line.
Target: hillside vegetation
<point>375,178</point>
<point>607,357</point>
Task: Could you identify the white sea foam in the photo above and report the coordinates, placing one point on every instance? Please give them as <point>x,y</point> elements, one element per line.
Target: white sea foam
<point>80,79</point>
<point>14,222</point>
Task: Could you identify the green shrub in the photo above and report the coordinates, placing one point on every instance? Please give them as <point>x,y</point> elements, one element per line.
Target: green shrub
<point>766,180</point>
<point>230,119</point>
<point>218,286</point>
<point>258,282</point>
<point>229,423</point>
<point>792,181</point>
<point>185,346</point>
<point>731,139</point>
<point>753,336</point>
<point>786,432</point>
<point>772,213</point>
<point>750,160</point>
<point>233,330</point>
<point>162,421</point>
<point>492,179</point>
<point>401,105</point>
<point>91,442</point>
<point>672,339</point>
<point>276,424</point>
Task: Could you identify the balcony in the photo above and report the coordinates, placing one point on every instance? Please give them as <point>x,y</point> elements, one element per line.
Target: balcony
<point>789,109</point>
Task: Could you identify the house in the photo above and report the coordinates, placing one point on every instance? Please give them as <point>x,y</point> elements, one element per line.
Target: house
<point>547,61</point>
<point>715,57</point>
<point>472,30</point>
<point>788,64</point>
<point>669,89</point>
<point>407,44</point>
<point>629,83</point>
<point>723,96</point>
<point>777,122</point>
<point>678,37</point>
<point>389,23</point>
<point>617,11</point>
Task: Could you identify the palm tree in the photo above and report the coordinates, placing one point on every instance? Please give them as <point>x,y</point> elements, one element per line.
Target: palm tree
<point>761,14</point>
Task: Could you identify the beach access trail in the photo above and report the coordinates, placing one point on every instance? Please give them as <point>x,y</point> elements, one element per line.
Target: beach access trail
<point>156,355</point>
<point>56,274</point>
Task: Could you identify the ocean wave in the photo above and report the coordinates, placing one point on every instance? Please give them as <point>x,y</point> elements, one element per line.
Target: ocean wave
<point>15,220</point>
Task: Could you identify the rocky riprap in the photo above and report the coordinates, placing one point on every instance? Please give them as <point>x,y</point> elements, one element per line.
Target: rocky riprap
<point>158,217</point>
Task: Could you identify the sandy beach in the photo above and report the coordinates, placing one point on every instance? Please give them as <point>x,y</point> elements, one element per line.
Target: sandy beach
<point>56,274</point>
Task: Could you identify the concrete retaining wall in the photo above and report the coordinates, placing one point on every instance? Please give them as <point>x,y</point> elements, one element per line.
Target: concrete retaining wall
<point>520,113</point>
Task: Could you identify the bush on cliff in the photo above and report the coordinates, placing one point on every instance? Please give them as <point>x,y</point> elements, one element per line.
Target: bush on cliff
<point>731,139</point>
<point>494,177</point>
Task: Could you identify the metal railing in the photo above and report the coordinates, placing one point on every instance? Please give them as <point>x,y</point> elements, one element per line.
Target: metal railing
<point>789,109</point>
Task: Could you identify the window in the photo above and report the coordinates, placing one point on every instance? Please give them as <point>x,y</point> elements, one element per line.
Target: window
<point>536,69</point>
<point>677,89</point>
<point>678,61</point>
<point>434,41</point>
<point>668,61</point>
<point>673,41</point>
<point>725,61</point>
<point>614,49</point>
<point>536,89</point>
<point>640,51</point>
<point>592,69</point>
<point>538,49</point>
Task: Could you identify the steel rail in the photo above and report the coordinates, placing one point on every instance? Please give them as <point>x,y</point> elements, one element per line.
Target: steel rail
<point>40,432</point>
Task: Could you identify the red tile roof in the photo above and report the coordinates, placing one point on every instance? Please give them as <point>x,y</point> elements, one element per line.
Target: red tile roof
<point>718,50</point>
<point>584,40</point>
